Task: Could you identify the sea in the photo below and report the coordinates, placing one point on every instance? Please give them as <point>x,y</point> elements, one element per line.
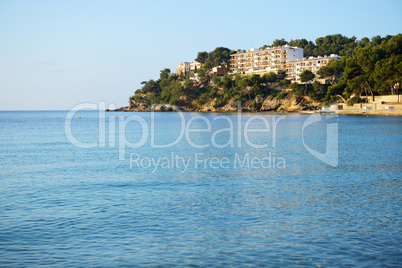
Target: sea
<point>89,188</point>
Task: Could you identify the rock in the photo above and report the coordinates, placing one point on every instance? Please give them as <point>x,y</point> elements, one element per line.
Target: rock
<point>230,107</point>
<point>270,104</point>
<point>158,108</point>
<point>209,107</point>
<point>163,108</point>
<point>137,106</point>
<point>258,102</point>
<point>168,108</point>
<point>290,103</point>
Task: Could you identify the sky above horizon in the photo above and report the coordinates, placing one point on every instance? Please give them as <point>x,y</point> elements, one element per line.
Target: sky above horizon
<point>57,54</point>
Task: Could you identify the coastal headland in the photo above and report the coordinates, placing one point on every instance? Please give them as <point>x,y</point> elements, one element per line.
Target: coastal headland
<point>358,77</point>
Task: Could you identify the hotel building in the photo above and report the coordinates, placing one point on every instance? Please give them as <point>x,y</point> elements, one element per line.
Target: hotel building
<point>313,64</point>
<point>264,60</point>
<point>276,59</point>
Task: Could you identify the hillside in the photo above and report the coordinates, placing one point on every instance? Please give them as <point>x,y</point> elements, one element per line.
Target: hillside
<point>367,68</point>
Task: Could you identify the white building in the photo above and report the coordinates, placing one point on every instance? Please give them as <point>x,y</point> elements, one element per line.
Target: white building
<point>286,58</point>
<point>265,60</point>
<point>313,64</point>
<point>185,67</point>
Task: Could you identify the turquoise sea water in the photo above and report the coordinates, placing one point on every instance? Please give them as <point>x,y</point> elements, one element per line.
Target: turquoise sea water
<point>239,205</point>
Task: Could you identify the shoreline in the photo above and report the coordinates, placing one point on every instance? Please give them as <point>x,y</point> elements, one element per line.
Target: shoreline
<point>304,112</point>
<point>371,112</point>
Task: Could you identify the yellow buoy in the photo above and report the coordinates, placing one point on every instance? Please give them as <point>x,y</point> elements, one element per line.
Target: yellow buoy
<point>149,120</point>
<point>19,121</point>
<point>78,117</point>
<point>59,122</point>
<point>338,119</point>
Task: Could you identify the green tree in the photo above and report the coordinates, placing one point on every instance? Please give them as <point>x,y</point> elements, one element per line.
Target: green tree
<point>202,57</point>
<point>270,77</point>
<point>376,40</point>
<point>217,80</point>
<point>359,71</point>
<point>298,43</point>
<point>203,75</point>
<point>335,44</point>
<point>308,46</point>
<point>165,73</point>
<point>279,42</point>
<point>188,84</point>
<point>305,77</point>
<point>283,84</point>
<point>207,66</point>
<point>219,56</point>
<point>227,81</point>
<point>387,73</point>
<point>334,92</point>
<point>364,42</point>
<point>326,72</point>
<point>333,70</point>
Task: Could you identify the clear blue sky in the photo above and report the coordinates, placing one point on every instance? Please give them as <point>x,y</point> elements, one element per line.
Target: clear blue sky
<point>56,54</point>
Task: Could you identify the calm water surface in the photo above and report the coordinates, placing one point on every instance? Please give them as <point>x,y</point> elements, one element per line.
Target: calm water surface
<point>74,207</point>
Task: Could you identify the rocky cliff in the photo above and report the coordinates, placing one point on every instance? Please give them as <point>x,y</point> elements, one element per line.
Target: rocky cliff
<point>291,103</point>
